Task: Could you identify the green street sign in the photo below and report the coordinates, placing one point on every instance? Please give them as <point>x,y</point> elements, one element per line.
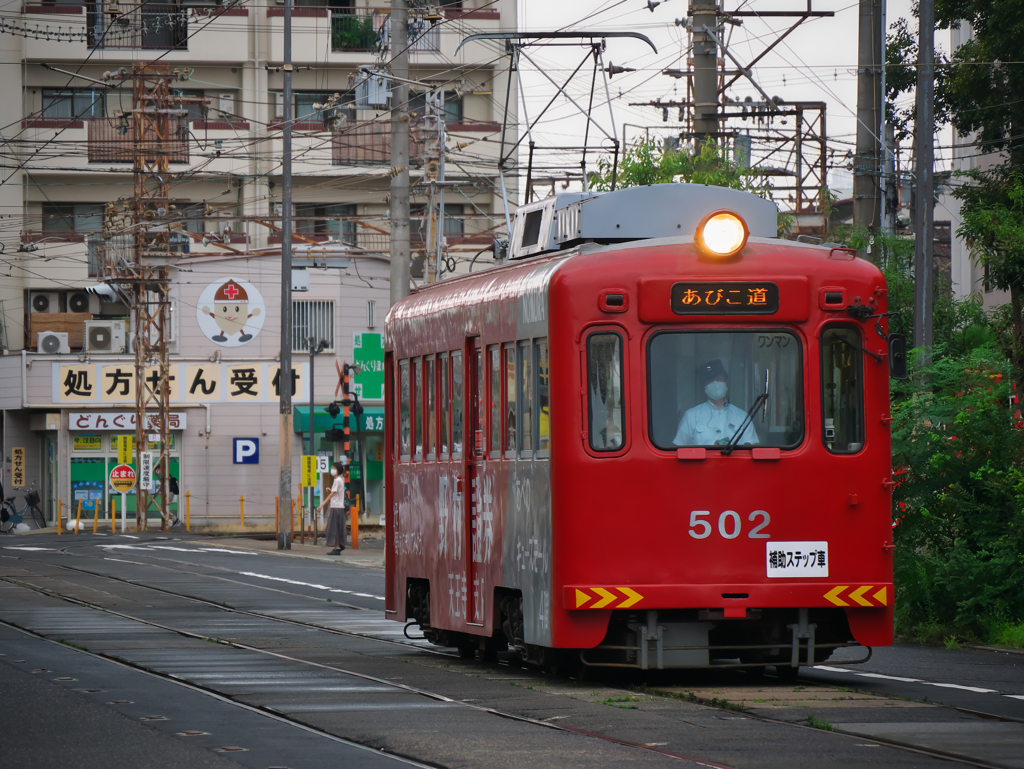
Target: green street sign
<point>368,354</point>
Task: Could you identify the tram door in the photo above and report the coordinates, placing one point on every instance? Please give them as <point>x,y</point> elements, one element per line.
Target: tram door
<point>474,463</point>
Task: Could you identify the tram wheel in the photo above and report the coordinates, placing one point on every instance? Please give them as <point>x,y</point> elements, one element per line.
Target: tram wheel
<point>467,646</point>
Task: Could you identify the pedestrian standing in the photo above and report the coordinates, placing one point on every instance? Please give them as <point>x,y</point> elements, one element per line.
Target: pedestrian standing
<point>335,532</point>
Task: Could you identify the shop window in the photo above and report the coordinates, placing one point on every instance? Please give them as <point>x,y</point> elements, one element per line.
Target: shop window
<point>494,428</point>
<point>431,415</point>
<point>543,395</point>
<point>842,396</point>
<point>445,408</point>
<point>457,423</point>
<point>405,411</point>
<point>417,417</point>
<point>526,398</point>
<point>312,320</point>
<point>510,402</point>
<point>605,391</point>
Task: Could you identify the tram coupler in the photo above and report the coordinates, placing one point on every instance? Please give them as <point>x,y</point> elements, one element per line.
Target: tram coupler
<point>802,629</point>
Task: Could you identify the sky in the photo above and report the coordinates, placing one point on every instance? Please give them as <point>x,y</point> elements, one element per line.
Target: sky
<point>817,62</point>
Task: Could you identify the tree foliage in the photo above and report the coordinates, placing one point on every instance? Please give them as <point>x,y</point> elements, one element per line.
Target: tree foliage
<point>647,163</point>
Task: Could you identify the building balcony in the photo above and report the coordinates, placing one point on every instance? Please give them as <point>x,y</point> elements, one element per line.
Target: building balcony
<point>111,141</point>
<point>368,142</point>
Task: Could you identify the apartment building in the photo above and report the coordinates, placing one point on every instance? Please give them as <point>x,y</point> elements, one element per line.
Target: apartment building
<point>69,156</point>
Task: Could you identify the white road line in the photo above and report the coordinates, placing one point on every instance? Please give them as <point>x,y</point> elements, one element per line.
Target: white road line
<point>895,678</point>
<point>977,689</point>
<point>309,584</point>
<point>831,669</point>
<point>1015,696</point>
<point>53,549</point>
<point>181,549</point>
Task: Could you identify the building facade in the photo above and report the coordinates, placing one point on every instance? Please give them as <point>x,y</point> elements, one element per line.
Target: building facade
<point>70,157</point>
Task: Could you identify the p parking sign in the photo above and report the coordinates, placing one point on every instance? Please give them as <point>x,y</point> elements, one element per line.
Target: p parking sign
<point>246,451</point>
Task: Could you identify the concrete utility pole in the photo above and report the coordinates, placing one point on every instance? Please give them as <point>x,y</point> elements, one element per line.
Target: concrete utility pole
<point>284,492</point>
<point>399,151</point>
<point>924,278</point>
<point>866,193</point>
<point>705,71</point>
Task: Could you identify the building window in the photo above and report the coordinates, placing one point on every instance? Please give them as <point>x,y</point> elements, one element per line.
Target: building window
<point>304,101</point>
<point>326,219</point>
<point>452,106</point>
<point>195,111</point>
<point>72,217</point>
<point>312,319</point>
<point>73,103</point>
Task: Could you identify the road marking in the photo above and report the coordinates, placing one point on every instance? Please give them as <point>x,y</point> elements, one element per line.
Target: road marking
<point>977,689</point>
<point>893,678</point>
<point>53,549</point>
<point>831,669</point>
<point>181,549</point>
<point>309,584</point>
<point>1015,696</point>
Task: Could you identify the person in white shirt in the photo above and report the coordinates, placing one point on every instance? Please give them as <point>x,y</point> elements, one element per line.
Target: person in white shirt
<point>335,531</point>
<point>715,421</point>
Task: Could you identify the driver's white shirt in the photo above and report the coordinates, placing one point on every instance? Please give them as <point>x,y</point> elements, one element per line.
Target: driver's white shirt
<point>706,424</point>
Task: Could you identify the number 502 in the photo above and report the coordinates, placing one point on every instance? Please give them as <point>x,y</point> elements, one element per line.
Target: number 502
<point>729,524</point>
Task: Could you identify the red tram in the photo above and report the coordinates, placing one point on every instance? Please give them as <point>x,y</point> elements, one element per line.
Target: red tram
<point>655,438</point>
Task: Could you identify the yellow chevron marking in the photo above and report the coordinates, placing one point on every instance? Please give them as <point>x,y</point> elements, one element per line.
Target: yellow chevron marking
<point>833,595</point>
<point>633,597</point>
<point>606,599</point>
<point>882,597</point>
<point>581,598</point>
<point>860,591</point>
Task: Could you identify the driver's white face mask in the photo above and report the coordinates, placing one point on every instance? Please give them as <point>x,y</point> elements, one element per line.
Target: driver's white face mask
<point>716,390</point>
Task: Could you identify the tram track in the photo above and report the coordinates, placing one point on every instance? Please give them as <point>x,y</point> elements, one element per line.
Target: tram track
<point>370,678</point>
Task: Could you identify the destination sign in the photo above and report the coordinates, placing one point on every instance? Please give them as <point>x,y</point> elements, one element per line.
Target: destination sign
<point>725,298</point>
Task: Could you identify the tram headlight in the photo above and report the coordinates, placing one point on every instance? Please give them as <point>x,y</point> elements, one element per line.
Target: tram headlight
<point>721,234</point>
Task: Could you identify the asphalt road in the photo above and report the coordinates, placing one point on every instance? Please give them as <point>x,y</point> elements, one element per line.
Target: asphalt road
<point>155,650</point>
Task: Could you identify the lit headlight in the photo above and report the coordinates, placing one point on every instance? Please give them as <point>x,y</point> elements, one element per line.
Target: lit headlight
<point>721,234</point>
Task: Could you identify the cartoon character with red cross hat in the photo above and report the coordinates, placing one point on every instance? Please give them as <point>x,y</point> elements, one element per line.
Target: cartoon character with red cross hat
<point>231,312</point>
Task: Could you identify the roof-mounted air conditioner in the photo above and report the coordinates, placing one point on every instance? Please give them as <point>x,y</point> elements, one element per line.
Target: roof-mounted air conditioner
<point>44,301</point>
<point>104,336</point>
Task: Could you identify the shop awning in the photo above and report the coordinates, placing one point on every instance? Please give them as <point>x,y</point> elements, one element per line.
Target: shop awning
<point>371,420</point>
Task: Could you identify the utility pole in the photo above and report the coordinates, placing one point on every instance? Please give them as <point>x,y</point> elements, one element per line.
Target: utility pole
<point>284,534</point>
<point>866,195</point>
<point>924,129</point>
<point>433,176</point>
<point>705,71</point>
<point>399,151</point>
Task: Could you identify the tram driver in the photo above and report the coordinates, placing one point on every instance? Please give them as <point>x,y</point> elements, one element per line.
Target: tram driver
<point>715,421</point>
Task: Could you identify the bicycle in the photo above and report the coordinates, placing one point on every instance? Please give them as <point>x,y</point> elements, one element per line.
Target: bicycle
<point>11,516</point>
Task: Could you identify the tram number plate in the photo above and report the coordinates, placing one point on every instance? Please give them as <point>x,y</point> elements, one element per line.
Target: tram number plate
<point>725,298</point>
<point>796,559</point>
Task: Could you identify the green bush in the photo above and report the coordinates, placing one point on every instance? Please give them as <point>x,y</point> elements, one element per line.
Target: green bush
<point>959,530</point>
<point>350,33</point>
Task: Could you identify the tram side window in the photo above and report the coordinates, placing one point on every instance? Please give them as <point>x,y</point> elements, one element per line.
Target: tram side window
<point>526,398</point>
<point>842,394</point>
<point>431,415</point>
<point>494,393</point>
<point>510,401</point>
<point>605,391</point>
<point>540,349</point>
<point>417,398</point>
<point>404,431</point>
<point>457,423</point>
<point>442,365</point>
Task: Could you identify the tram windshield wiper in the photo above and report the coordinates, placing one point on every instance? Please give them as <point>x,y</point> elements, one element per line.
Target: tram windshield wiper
<point>760,400</point>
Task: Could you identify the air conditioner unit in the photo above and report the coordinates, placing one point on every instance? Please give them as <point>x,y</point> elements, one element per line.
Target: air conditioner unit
<point>104,336</point>
<point>80,301</point>
<point>226,104</point>
<point>44,301</point>
<point>53,343</point>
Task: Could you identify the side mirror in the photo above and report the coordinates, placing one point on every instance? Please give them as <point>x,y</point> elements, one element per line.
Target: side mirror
<point>898,356</point>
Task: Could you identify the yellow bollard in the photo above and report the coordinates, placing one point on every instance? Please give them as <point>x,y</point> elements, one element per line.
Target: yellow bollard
<point>60,523</point>
<point>78,517</point>
<point>241,507</point>
<point>188,507</point>
<point>354,523</point>
<point>95,515</point>
<point>277,514</point>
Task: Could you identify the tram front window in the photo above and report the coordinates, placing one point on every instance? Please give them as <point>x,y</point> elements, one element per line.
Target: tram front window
<point>721,388</point>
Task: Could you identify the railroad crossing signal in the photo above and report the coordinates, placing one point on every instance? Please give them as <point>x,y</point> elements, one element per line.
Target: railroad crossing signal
<point>606,598</point>
<point>859,595</point>
<point>122,479</point>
